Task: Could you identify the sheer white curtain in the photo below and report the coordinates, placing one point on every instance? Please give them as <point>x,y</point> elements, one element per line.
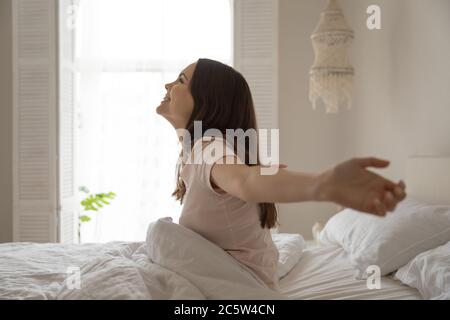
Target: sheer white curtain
<point>126,50</point>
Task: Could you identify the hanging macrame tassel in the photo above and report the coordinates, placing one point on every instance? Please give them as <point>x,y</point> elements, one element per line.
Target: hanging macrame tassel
<point>331,76</point>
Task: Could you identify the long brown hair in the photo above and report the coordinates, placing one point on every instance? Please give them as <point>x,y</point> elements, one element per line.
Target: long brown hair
<point>222,100</point>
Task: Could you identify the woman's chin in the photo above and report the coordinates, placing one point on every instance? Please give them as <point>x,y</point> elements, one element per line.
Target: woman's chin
<point>160,109</point>
<point>161,112</point>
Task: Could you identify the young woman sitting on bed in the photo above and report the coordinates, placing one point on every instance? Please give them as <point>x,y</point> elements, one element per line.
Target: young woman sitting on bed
<point>230,202</point>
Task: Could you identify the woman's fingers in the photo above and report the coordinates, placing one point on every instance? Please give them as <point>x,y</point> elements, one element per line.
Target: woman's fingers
<point>393,194</point>
<point>389,201</point>
<point>372,162</point>
<point>379,207</point>
<point>399,191</point>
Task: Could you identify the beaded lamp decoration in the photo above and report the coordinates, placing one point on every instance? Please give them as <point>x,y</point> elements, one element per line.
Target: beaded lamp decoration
<point>331,76</point>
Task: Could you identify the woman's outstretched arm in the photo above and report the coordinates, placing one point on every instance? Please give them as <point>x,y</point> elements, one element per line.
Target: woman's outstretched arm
<point>349,184</point>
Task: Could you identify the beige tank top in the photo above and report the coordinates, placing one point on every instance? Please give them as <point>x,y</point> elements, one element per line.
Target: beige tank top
<point>225,220</point>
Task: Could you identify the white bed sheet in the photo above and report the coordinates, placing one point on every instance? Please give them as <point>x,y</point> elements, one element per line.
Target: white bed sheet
<point>324,272</point>
<point>33,271</point>
<point>119,270</point>
<point>36,271</point>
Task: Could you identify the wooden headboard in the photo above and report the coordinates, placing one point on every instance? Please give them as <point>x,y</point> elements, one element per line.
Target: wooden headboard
<point>428,179</point>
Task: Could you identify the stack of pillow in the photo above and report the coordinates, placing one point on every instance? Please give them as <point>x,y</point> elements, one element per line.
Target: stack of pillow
<point>414,241</point>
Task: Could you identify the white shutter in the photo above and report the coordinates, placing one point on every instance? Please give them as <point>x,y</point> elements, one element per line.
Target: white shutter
<point>34,121</point>
<point>256,55</point>
<point>67,191</point>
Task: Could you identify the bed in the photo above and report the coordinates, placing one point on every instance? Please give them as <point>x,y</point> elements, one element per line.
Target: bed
<point>166,266</point>
<point>37,271</point>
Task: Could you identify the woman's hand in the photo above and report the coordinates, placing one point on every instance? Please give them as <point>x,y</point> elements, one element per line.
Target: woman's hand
<point>351,185</point>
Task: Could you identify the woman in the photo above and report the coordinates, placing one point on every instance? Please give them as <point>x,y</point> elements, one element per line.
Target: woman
<point>226,199</point>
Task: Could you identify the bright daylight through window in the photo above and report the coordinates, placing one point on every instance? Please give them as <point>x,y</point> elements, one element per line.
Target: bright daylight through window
<point>126,50</point>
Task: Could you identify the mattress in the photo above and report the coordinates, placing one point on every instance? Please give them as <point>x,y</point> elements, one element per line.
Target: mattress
<point>325,272</point>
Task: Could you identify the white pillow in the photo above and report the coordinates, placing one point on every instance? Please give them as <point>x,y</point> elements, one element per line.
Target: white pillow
<point>429,273</point>
<point>290,247</point>
<point>388,242</point>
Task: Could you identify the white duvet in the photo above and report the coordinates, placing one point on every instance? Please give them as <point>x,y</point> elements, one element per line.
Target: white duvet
<point>429,272</point>
<point>174,263</point>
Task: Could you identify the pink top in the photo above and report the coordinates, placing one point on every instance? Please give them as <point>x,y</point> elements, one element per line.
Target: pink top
<point>227,221</point>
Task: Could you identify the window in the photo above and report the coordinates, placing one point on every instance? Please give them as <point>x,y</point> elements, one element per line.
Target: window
<point>126,50</point>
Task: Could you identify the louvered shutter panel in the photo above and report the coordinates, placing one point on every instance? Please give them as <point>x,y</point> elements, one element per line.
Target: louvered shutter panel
<point>67,191</point>
<point>34,121</point>
<point>256,56</point>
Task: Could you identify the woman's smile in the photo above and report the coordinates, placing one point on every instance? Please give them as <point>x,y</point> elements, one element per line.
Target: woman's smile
<point>178,111</point>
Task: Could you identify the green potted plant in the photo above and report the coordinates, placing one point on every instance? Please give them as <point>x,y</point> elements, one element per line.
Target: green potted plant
<point>91,202</point>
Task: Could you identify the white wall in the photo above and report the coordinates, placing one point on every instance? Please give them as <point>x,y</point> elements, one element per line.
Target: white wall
<point>5,121</point>
<point>402,93</point>
<point>308,140</point>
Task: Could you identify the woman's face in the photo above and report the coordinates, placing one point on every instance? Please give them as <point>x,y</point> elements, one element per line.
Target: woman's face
<point>178,104</point>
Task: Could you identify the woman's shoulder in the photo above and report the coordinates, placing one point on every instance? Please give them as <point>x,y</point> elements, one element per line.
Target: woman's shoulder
<point>209,149</point>
<point>210,140</point>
